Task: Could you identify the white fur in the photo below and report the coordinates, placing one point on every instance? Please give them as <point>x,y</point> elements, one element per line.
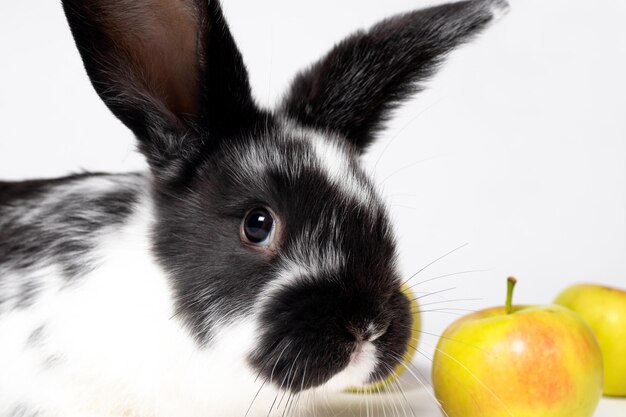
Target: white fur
<point>330,154</point>
<point>336,164</point>
<point>362,364</point>
<point>499,9</point>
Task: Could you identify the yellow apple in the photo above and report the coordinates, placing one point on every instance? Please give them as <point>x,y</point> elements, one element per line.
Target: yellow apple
<point>521,361</point>
<point>604,309</point>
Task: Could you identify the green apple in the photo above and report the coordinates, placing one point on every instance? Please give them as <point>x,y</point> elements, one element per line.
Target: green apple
<point>522,361</point>
<point>604,309</point>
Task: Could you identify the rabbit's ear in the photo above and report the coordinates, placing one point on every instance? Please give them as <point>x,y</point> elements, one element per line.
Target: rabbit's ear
<point>355,86</point>
<point>168,69</point>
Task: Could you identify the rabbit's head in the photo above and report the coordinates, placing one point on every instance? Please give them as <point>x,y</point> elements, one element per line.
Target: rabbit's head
<point>268,217</point>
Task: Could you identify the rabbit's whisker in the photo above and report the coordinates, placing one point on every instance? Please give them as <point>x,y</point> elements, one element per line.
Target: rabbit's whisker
<point>435,261</point>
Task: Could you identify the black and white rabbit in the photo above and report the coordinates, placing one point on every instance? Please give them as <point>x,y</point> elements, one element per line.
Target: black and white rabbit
<point>254,258</point>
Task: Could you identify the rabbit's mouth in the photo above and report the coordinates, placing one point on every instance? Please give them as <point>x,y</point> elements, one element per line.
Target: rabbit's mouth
<point>362,363</point>
<point>332,335</point>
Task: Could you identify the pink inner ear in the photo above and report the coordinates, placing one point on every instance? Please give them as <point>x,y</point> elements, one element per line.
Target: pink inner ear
<point>160,40</point>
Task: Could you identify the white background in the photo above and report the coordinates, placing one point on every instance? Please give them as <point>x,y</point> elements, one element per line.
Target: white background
<point>518,148</point>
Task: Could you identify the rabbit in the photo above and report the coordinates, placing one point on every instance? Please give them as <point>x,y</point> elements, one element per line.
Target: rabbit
<point>254,259</point>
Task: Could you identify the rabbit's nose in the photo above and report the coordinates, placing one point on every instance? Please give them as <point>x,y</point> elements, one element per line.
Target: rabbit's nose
<point>369,332</point>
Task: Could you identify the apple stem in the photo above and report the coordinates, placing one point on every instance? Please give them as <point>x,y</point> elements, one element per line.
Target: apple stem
<point>510,285</point>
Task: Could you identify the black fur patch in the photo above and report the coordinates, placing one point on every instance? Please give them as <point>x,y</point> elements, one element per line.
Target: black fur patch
<point>56,222</point>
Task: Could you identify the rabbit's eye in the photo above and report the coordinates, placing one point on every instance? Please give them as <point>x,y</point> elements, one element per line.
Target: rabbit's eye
<point>258,227</point>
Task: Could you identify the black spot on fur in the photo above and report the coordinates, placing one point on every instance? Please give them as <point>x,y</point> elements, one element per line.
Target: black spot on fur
<point>52,361</point>
<point>28,291</point>
<point>23,410</point>
<point>36,336</point>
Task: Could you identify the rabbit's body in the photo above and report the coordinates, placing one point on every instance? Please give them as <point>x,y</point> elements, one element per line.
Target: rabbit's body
<point>87,319</point>
<point>254,260</point>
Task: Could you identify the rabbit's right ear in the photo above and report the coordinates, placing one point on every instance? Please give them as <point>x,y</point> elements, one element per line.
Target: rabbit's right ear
<point>355,87</point>
<point>169,70</point>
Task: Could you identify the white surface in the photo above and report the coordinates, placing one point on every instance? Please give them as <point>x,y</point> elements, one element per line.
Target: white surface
<point>418,402</point>
<point>518,148</point>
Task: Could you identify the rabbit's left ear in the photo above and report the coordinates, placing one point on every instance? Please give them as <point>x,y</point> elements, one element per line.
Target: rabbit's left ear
<point>168,69</point>
<point>352,89</point>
